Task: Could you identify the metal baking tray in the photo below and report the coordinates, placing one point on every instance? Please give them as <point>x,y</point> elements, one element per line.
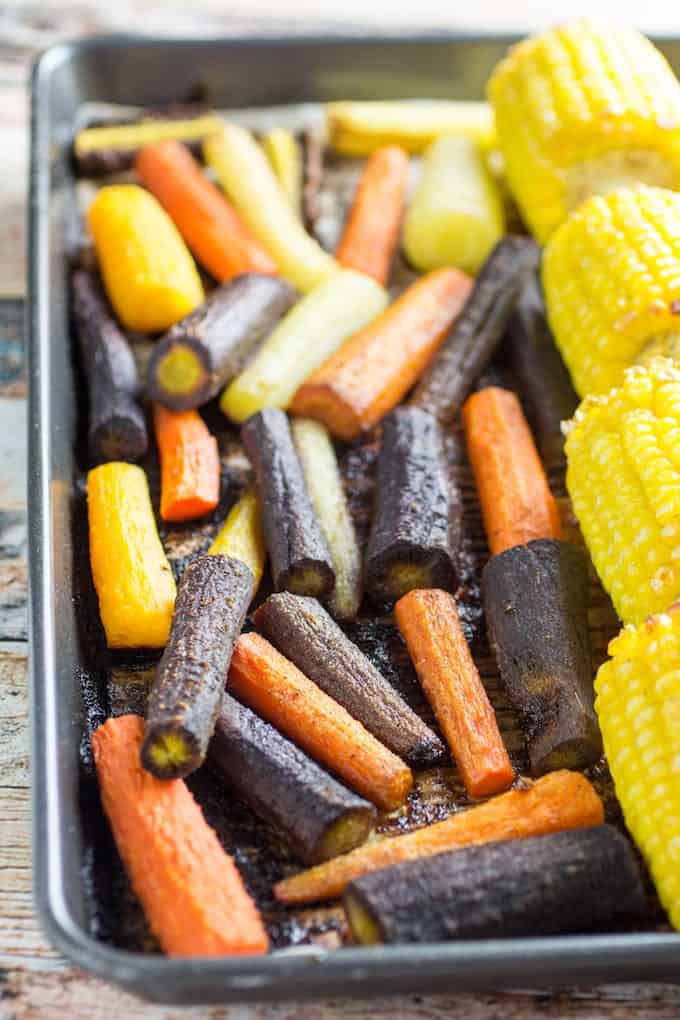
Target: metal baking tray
<point>230,73</point>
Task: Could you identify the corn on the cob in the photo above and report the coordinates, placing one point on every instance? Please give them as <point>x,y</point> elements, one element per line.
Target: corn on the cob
<point>623,476</point>
<point>580,110</point>
<point>150,277</point>
<point>283,152</point>
<point>638,704</point>
<point>456,216</point>
<point>358,129</point>
<point>611,275</point>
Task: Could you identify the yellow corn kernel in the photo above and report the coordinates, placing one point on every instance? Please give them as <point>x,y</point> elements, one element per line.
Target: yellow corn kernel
<point>638,706</point>
<point>580,110</point>
<point>284,155</point>
<point>241,535</point>
<point>611,275</point>
<point>246,175</point>
<point>456,216</point>
<point>623,477</point>
<point>150,277</point>
<point>359,128</point>
<point>131,573</point>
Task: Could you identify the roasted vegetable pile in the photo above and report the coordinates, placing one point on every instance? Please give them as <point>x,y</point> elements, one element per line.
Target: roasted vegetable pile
<point>345,574</point>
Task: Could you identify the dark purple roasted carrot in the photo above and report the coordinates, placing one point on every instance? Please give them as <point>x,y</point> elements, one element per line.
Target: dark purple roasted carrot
<point>212,602</point>
<point>117,427</point>
<point>478,329</point>
<point>205,350</point>
<point>544,385</point>
<point>299,556</point>
<point>316,815</point>
<point>304,632</point>
<point>561,800</point>
<point>430,626</point>
<point>536,604</point>
<point>417,519</point>
<point>564,883</point>
<point>278,691</point>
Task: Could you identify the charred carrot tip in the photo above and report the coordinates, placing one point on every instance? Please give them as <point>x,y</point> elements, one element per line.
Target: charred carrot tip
<point>517,504</point>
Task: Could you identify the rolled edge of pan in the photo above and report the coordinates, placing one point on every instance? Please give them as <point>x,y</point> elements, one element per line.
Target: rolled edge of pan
<point>318,816</point>
<point>212,602</point>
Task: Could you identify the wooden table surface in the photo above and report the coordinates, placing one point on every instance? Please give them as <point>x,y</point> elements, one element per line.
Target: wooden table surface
<point>34,981</point>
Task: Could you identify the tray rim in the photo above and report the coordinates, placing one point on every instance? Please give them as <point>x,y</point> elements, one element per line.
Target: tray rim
<point>294,974</point>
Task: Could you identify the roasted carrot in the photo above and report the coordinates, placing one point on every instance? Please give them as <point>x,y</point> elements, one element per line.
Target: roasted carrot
<point>375,368</point>
<point>276,689</point>
<point>556,802</point>
<point>213,230</point>
<point>517,505</point>
<point>371,233</point>
<point>190,464</point>
<point>191,892</point>
<point>430,626</point>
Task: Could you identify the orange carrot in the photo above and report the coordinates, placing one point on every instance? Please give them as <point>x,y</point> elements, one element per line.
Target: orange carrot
<point>371,233</point>
<point>190,464</point>
<point>430,626</point>
<point>371,373</point>
<point>191,892</point>
<point>517,504</point>
<point>277,690</point>
<point>210,226</point>
<point>558,801</point>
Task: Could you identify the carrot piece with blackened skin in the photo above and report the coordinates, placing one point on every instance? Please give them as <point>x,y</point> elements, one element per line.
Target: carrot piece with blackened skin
<point>190,464</point>
<point>210,226</point>
<point>190,890</point>
<point>517,504</point>
<point>371,233</point>
<point>371,373</point>
<point>430,625</point>
<point>276,689</point>
<point>559,801</point>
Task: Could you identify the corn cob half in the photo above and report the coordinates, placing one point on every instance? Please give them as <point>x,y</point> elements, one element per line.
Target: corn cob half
<point>638,705</point>
<point>580,110</point>
<point>611,276</point>
<point>623,477</point>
